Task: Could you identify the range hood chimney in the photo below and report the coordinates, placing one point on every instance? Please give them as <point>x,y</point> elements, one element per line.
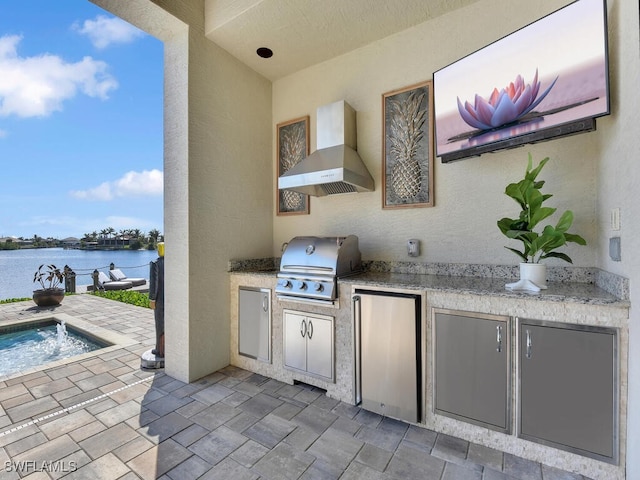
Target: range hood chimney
<point>335,167</point>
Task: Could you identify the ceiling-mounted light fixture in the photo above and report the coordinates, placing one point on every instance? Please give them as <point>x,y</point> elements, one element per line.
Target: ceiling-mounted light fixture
<point>264,52</point>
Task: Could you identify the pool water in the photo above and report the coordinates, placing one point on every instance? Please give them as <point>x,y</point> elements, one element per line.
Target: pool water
<point>37,345</point>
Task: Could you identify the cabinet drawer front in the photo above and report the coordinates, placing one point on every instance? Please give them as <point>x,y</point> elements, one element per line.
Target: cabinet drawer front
<point>568,387</point>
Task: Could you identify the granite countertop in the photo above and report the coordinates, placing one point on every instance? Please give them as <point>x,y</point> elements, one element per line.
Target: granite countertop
<point>585,293</point>
<point>574,285</point>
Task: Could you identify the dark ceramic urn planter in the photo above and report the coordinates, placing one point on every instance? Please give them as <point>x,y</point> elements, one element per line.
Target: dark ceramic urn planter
<point>48,297</point>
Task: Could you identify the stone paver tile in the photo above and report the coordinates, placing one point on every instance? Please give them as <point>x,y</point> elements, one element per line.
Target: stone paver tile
<point>190,434</point>
<point>95,381</point>
<point>166,404</point>
<point>247,388</point>
<point>450,448</point>
<point>336,448</point>
<point>26,443</point>
<point>241,422</point>
<point>287,410</point>
<point>228,469</point>
<point>314,419</point>
<point>65,371</point>
<point>522,468</point>
<point>191,409</point>
<point>69,464</point>
<point>12,391</point>
<point>112,387</point>
<point>215,415</point>
<point>284,462</point>
<point>107,467</point>
<point>307,396</point>
<point>16,435</point>
<point>551,473</point>
<point>64,394</point>
<point>80,398</point>
<point>359,471</point>
<point>51,387</point>
<point>87,431</point>
<point>345,410</point>
<point>260,405</point>
<point>130,393</point>
<point>421,439</point>
<point>375,436</point>
<point>269,431</point>
<point>108,366</point>
<point>100,405</point>
<point>212,394</point>
<point>235,399</point>
<point>34,382</point>
<point>66,423</point>
<point>108,440</point>
<point>249,453</point>
<point>16,401</point>
<point>158,460</point>
<point>50,451</point>
<point>133,448</point>
<point>217,445</point>
<point>458,472</point>
<point>490,474</point>
<point>406,463</point>
<point>374,457</point>
<point>192,468</point>
<point>346,426</point>
<point>165,427</point>
<point>34,408</point>
<point>367,418</point>
<point>301,438</point>
<point>144,418</point>
<point>119,413</point>
<point>321,470</point>
<point>485,456</point>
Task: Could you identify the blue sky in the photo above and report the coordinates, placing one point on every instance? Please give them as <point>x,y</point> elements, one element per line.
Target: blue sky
<point>81,136</point>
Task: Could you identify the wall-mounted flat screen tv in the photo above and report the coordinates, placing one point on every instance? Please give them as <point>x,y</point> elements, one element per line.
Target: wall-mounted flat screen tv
<point>546,80</point>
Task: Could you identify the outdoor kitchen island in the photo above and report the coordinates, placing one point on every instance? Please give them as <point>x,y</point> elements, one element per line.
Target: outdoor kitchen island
<point>577,310</point>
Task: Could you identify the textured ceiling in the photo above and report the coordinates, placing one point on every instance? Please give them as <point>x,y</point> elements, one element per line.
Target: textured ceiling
<point>302,33</point>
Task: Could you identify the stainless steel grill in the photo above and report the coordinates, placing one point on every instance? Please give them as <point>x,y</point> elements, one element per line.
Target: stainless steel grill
<point>310,267</point>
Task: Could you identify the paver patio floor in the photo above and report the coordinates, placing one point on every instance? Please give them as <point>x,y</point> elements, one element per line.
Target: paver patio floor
<point>102,417</point>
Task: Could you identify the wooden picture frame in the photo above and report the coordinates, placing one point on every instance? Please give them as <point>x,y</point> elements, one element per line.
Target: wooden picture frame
<point>407,147</point>
<point>292,139</point>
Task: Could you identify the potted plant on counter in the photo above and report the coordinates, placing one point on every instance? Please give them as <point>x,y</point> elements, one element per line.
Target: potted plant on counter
<point>49,277</point>
<point>543,243</point>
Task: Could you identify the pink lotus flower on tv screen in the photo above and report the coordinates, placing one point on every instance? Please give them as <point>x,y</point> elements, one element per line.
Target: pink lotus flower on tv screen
<point>504,106</point>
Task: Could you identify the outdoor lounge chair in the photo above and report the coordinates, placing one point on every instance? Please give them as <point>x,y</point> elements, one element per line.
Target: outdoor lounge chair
<point>117,275</point>
<point>104,283</point>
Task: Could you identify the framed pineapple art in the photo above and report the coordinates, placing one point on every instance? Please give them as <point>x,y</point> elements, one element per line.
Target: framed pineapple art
<point>292,146</point>
<point>407,147</point>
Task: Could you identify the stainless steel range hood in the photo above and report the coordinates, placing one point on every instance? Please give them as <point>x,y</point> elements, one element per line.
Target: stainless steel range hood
<point>335,167</point>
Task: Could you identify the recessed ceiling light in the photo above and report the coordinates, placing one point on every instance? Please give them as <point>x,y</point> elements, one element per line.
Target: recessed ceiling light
<point>264,52</point>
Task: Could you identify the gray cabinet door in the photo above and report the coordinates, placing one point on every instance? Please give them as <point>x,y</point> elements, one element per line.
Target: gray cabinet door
<point>568,387</point>
<point>472,368</point>
<point>320,347</point>
<point>254,323</point>
<point>308,343</point>
<point>295,341</point>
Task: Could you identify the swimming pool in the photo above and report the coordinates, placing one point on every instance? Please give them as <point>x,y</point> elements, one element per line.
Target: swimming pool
<point>27,345</point>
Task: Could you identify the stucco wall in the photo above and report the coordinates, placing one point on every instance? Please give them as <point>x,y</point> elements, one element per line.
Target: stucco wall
<point>469,196</point>
<point>217,205</point>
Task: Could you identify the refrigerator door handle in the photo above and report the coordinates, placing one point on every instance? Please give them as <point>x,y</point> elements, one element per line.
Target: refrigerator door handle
<point>357,315</point>
<point>310,330</point>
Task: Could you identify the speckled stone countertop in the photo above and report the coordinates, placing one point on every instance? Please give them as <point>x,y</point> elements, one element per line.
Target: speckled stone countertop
<point>584,293</point>
<point>566,284</point>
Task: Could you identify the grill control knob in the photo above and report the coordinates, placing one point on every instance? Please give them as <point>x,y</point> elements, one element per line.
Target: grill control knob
<point>301,285</point>
<point>285,283</point>
<point>318,287</point>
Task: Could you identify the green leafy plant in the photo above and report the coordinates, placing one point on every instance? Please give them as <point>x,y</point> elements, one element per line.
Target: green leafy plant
<point>536,246</point>
<point>126,296</point>
<point>48,278</point>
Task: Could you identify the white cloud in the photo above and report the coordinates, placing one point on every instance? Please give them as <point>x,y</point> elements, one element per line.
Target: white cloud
<point>131,184</point>
<point>105,31</point>
<point>37,86</point>
<point>3,133</point>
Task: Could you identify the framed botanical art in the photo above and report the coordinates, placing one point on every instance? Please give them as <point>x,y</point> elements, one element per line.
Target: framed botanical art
<point>292,146</point>
<point>407,147</point>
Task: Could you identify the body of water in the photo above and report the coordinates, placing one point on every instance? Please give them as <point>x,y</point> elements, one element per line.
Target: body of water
<point>17,267</point>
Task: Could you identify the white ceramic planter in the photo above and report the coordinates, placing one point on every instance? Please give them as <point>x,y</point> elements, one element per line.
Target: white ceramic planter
<point>536,273</point>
